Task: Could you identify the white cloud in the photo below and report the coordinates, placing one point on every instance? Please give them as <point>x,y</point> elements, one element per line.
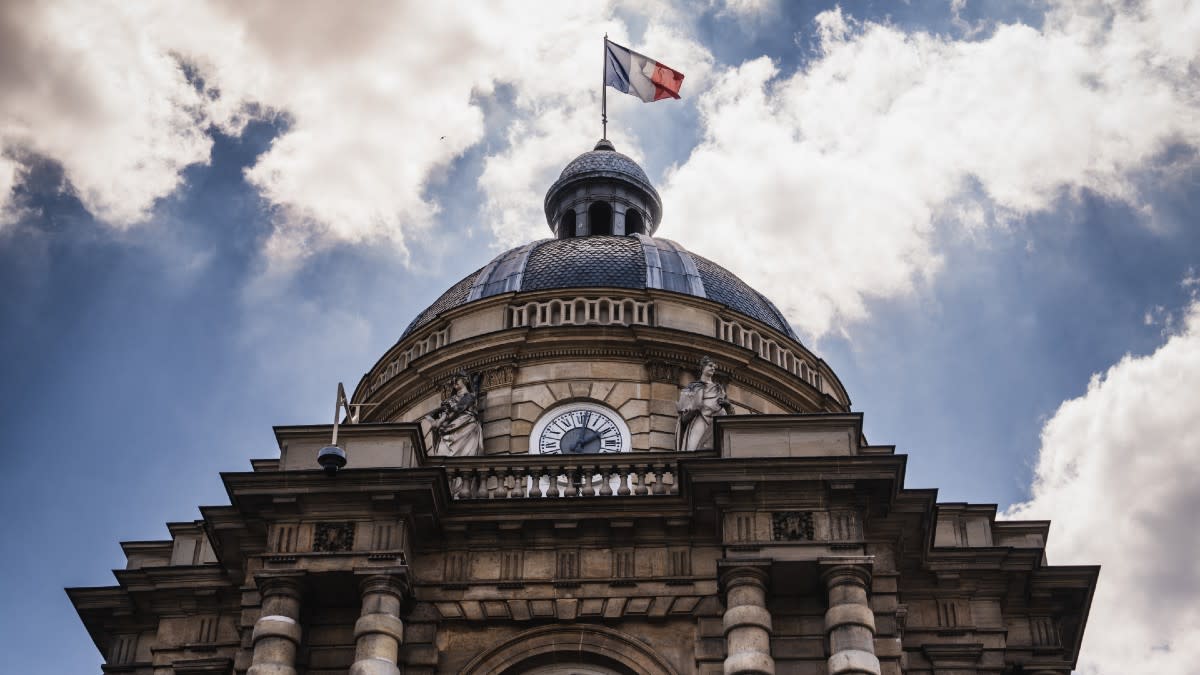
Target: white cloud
<point>1119,475</point>
<point>8,181</point>
<point>86,85</point>
<point>379,99</point>
<point>828,183</point>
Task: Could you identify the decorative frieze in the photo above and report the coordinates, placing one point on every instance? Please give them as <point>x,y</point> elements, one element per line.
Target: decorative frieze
<point>458,567</point>
<point>206,629</point>
<point>285,537</point>
<point>511,565</point>
<point>572,608</point>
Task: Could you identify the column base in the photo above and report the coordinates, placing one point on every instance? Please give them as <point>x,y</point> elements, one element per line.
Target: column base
<point>854,662</point>
<point>749,663</point>
<point>271,669</point>
<point>374,667</point>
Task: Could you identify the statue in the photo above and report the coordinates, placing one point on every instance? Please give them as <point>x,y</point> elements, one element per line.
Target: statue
<point>456,430</point>
<point>698,403</point>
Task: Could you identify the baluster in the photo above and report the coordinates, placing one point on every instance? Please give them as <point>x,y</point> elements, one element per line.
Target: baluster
<point>518,485</point>
<point>605,481</point>
<point>454,476</point>
<point>640,472</point>
<point>659,488</point>
<point>552,489</point>
<point>535,486</point>
<point>623,475</point>
<point>589,481</point>
<point>465,489</point>
<point>572,481</point>
<point>489,486</point>
<point>674,488</point>
<point>480,478</point>
<point>503,486</point>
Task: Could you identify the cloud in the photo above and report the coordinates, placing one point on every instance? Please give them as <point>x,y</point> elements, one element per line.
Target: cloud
<point>8,181</point>
<point>85,85</point>
<point>1119,475</point>
<point>375,100</point>
<point>831,182</point>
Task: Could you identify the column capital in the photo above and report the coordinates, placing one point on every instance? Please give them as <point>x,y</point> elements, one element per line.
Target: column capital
<point>847,570</point>
<point>739,572</point>
<point>392,580</point>
<point>289,584</point>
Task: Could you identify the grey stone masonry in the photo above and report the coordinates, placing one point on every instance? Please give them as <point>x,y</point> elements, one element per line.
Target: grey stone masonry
<point>379,632</point>
<point>746,621</point>
<point>277,631</point>
<point>849,621</point>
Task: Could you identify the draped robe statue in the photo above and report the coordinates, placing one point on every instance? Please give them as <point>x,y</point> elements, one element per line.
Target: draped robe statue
<point>456,430</point>
<point>698,403</point>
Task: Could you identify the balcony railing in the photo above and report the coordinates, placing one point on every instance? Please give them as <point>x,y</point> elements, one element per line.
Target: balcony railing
<point>563,476</point>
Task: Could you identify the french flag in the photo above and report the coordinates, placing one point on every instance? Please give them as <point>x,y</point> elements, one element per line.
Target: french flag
<point>628,71</point>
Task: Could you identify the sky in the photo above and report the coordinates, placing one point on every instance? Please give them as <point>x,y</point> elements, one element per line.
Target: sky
<point>981,213</point>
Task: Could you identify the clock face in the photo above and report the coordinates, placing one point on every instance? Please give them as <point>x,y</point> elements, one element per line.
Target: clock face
<point>579,429</point>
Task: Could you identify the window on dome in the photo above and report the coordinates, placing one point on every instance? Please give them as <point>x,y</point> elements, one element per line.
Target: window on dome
<point>600,218</point>
<point>566,224</point>
<point>634,223</point>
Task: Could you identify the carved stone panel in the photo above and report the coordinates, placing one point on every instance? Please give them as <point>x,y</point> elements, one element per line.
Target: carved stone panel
<point>792,526</point>
<point>663,371</point>
<point>333,537</point>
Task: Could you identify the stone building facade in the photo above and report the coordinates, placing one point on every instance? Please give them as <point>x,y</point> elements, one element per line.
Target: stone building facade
<point>598,454</point>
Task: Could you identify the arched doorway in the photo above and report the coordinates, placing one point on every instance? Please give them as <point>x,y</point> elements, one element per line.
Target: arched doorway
<point>569,650</point>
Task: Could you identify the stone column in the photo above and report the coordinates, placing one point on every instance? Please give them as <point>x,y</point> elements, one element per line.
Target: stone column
<point>747,622</point>
<point>849,621</point>
<point>277,631</point>
<point>379,631</point>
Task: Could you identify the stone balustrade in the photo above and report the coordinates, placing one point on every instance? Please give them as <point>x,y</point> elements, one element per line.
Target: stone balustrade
<point>770,350</point>
<point>563,476</point>
<point>581,311</point>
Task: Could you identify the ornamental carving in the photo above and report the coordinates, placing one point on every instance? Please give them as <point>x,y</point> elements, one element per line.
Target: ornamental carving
<point>333,537</point>
<point>500,376</point>
<point>662,371</point>
<point>792,526</point>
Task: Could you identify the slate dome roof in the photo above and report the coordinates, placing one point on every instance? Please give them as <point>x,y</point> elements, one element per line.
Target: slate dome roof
<point>604,159</point>
<point>636,262</point>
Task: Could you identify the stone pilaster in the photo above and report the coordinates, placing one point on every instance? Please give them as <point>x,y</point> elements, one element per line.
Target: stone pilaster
<point>747,622</point>
<point>849,621</point>
<point>277,631</point>
<point>379,632</point>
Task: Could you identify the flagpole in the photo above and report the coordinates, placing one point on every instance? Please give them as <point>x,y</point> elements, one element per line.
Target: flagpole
<point>604,90</point>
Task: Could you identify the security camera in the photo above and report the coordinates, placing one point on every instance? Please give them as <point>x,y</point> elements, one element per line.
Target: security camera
<point>331,458</point>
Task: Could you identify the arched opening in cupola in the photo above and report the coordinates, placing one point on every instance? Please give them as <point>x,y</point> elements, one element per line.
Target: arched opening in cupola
<point>634,224</point>
<point>600,216</point>
<point>566,224</point>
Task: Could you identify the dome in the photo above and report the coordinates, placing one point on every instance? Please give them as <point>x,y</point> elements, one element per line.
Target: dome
<point>636,262</point>
<point>604,159</point>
